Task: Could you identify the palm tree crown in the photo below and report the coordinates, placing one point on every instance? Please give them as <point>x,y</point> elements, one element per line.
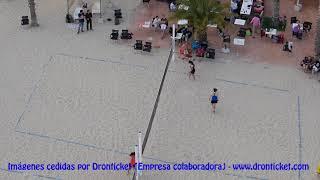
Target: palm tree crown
<point>200,13</point>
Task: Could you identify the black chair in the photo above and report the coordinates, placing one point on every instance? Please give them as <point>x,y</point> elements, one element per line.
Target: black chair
<point>227,19</point>
<point>210,53</point>
<point>126,35</point>
<point>115,34</point>
<point>307,26</point>
<point>116,21</point>
<point>138,45</point>
<point>226,39</point>
<point>24,20</point>
<point>117,13</point>
<point>204,44</point>
<point>293,20</point>
<point>147,47</point>
<point>299,35</point>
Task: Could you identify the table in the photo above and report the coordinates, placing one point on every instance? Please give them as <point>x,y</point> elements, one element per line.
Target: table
<point>240,22</point>
<point>212,25</point>
<point>178,36</point>
<point>147,24</point>
<point>182,22</point>
<point>271,32</point>
<point>246,7</point>
<point>238,41</point>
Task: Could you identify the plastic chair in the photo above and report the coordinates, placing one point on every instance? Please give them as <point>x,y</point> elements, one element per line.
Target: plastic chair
<point>117,13</point>
<point>138,45</point>
<point>24,20</point>
<point>125,34</point>
<point>115,34</point>
<point>210,53</point>
<point>293,20</point>
<point>147,47</point>
<point>307,26</point>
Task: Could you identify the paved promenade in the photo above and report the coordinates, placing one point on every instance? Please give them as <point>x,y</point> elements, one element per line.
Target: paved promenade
<point>83,98</point>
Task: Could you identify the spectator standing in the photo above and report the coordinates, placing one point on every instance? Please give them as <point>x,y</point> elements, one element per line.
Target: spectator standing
<point>234,6</point>
<point>192,70</point>
<point>172,7</point>
<point>156,22</point>
<point>132,164</point>
<point>163,28</point>
<point>89,20</point>
<point>81,21</point>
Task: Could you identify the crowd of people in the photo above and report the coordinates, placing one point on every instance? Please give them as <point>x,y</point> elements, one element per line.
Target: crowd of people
<point>310,64</point>
<point>160,23</point>
<point>84,15</point>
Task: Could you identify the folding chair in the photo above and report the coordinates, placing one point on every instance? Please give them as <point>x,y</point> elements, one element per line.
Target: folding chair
<point>147,47</point>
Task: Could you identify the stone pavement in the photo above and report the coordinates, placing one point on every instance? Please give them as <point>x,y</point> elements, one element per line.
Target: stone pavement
<point>82,98</point>
<point>255,50</point>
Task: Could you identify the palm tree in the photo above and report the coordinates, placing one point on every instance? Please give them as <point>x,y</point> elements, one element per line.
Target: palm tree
<point>276,12</point>
<point>32,6</point>
<point>317,41</point>
<point>200,13</point>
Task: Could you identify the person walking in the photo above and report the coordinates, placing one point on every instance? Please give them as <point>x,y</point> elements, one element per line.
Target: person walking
<point>255,24</point>
<point>192,70</point>
<point>214,99</point>
<point>81,21</point>
<point>89,20</point>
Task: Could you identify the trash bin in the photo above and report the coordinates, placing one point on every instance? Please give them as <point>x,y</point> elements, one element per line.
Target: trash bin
<point>69,18</point>
<point>116,21</point>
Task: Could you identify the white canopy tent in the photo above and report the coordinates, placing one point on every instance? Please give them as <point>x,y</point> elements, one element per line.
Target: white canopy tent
<point>104,8</point>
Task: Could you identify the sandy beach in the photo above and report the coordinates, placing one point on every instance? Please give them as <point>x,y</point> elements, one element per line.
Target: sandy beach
<point>83,98</point>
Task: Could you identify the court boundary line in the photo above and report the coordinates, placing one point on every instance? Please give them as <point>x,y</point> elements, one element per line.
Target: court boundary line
<point>240,83</point>
<point>254,85</point>
<point>107,60</point>
<point>300,134</point>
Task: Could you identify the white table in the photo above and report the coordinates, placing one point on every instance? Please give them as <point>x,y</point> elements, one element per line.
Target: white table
<point>182,22</point>
<point>271,32</point>
<point>246,7</point>
<point>238,41</point>
<point>178,36</point>
<point>240,22</point>
<point>147,24</point>
<point>212,25</point>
